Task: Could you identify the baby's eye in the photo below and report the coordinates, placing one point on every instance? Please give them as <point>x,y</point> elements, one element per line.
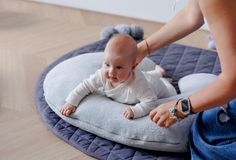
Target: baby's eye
<point>119,67</point>
<point>106,64</point>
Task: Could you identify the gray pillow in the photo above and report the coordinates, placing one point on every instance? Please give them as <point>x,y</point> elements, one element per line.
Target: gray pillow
<point>195,82</point>
<point>102,116</point>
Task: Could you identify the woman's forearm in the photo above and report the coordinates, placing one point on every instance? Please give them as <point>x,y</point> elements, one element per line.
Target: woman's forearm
<point>222,24</point>
<point>185,22</point>
<point>216,94</point>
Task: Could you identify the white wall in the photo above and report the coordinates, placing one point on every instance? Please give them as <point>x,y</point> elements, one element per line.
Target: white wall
<point>154,10</point>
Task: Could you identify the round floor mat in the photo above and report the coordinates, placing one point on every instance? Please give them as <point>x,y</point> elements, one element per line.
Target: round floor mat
<point>94,145</point>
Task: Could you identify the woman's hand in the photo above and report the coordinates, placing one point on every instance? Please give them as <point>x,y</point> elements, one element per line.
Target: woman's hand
<point>162,116</point>
<point>140,57</point>
<point>142,52</point>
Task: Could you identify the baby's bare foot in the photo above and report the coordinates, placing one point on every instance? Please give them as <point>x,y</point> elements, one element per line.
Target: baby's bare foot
<point>169,79</point>
<point>160,70</point>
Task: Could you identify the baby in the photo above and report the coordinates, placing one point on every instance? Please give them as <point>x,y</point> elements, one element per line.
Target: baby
<point>120,80</point>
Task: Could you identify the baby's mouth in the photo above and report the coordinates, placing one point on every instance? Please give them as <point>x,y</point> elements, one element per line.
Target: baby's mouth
<point>112,78</point>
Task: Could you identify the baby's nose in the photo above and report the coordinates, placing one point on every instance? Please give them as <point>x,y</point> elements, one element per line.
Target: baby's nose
<point>111,72</point>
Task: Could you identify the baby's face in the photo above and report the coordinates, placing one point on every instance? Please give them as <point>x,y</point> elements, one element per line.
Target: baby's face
<point>116,67</point>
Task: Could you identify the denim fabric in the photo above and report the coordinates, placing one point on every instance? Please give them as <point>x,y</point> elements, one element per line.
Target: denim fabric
<point>210,139</point>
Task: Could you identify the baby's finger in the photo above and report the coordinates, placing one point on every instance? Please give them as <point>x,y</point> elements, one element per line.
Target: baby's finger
<point>124,112</point>
<point>127,115</point>
<point>63,111</point>
<point>73,110</point>
<point>68,112</point>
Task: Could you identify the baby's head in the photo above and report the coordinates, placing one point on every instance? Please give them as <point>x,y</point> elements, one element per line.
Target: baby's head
<point>119,58</point>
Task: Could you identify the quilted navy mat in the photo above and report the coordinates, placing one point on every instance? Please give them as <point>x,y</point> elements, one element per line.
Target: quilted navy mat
<point>177,60</point>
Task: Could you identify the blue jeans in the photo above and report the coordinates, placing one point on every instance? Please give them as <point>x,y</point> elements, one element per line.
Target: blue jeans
<point>210,138</point>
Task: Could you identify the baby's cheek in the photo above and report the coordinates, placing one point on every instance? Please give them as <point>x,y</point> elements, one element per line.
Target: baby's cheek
<point>104,73</point>
<point>124,76</point>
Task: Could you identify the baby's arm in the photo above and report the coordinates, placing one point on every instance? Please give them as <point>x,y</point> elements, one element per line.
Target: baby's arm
<point>143,108</point>
<point>67,109</point>
<point>147,99</point>
<point>77,94</point>
<point>145,95</point>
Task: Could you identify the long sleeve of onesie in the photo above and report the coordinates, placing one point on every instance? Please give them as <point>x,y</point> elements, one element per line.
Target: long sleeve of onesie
<point>86,87</point>
<point>145,95</point>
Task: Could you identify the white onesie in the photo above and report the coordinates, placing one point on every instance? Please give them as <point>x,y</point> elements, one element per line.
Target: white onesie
<point>140,90</point>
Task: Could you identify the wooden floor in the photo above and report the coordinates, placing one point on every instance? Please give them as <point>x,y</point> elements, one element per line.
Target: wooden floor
<point>32,36</point>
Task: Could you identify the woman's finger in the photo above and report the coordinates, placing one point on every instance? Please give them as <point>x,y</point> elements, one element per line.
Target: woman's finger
<point>169,122</point>
<point>152,114</point>
<point>161,121</point>
<point>155,118</point>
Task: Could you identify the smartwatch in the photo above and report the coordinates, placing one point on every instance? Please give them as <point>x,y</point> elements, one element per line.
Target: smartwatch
<point>185,107</point>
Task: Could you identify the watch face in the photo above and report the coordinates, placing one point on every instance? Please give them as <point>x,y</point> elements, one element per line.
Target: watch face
<point>185,106</point>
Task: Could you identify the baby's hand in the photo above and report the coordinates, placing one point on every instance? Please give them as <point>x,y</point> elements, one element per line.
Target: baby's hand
<point>67,109</point>
<point>128,113</point>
